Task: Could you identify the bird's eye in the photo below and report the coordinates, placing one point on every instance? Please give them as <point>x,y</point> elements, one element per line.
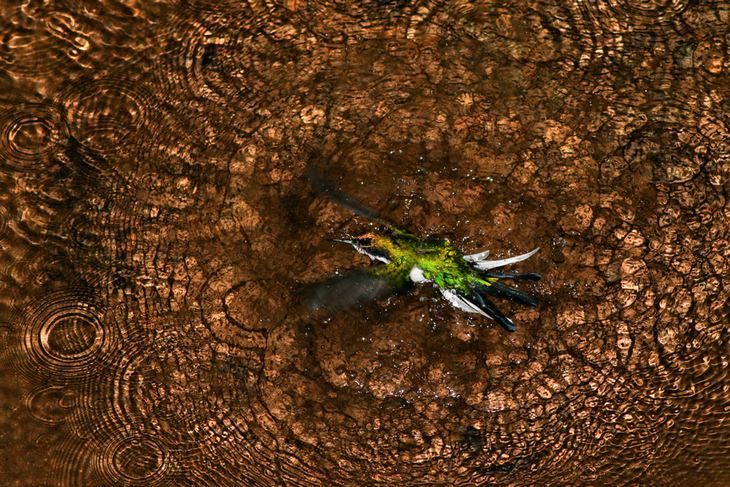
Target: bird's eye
<point>365,242</point>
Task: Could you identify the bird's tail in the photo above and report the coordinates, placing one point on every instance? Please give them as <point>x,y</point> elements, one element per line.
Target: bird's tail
<point>501,291</point>
<point>490,310</point>
<point>523,276</point>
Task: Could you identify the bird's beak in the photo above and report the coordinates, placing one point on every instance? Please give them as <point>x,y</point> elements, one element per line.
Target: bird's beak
<point>345,241</point>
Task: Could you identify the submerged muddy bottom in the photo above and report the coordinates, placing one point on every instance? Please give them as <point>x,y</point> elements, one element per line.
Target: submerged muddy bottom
<point>157,227</point>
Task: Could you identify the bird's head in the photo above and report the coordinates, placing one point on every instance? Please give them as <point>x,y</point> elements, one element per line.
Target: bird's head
<point>373,245</point>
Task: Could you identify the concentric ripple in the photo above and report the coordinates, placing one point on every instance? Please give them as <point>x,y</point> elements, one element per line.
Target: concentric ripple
<point>134,460</point>
<point>153,388</point>
<point>236,318</point>
<point>192,67</point>
<point>50,404</point>
<point>64,337</point>
<point>29,133</point>
<point>84,234</point>
<point>235,66</point>
<point>104,112</point>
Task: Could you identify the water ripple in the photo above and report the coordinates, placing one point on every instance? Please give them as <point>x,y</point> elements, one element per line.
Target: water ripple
<point>3,221</point>
<point>255,11</point>
<point>73,462</point>
<point>29,133</point>
<point>135,460</point>
<point>64,337</point>
<point>192,364</point>
<point>235,68</point>
<point>334,22</point>
<point>51,404</point>
<point>83,234</point>
<point>155,388</point>
<point>239,320</point>
<point>39,42</point>
<point>105,112</point>
<point>632,15</point>
<point>192,67</point>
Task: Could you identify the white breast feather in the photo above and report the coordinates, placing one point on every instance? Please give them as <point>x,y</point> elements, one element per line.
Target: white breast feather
<point>417,276</point>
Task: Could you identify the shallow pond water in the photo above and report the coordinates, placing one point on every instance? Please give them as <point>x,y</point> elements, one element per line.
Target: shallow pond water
<point>157,226</point>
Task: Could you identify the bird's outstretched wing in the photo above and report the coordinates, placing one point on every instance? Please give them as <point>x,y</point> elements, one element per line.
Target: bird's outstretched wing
<point>327,189</point>
<point>354,288</point>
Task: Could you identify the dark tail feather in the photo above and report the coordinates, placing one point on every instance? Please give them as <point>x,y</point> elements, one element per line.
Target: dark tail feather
<point>500,290</point>
<point>492,311</point>
<point>527,276</point>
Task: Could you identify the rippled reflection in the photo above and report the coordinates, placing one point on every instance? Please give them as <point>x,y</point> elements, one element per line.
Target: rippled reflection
<point>29,134</point>
<point>157,227</point>
<point>628,15</point>
<point>104,112</point>
<point>134,461</point>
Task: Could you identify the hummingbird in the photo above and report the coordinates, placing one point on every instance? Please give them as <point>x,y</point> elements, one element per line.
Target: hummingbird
<point>467,282</point>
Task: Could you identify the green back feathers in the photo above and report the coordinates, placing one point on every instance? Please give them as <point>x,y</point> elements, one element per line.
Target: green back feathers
<point>439,260</point>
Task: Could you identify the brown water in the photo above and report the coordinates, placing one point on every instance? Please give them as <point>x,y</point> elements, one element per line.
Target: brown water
<point>156,225</point>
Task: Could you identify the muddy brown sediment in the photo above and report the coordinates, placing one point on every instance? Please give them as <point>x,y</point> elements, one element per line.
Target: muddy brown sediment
<point>157,226</point>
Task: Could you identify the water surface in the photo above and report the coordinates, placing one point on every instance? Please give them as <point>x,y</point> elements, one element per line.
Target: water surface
<point>156,226</point>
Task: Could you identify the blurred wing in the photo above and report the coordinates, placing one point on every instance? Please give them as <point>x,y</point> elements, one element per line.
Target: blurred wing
<point>354,288</point>
<point>324,187</point>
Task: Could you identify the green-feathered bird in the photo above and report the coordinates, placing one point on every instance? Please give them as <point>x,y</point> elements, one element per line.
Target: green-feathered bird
<point>466,281</point>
